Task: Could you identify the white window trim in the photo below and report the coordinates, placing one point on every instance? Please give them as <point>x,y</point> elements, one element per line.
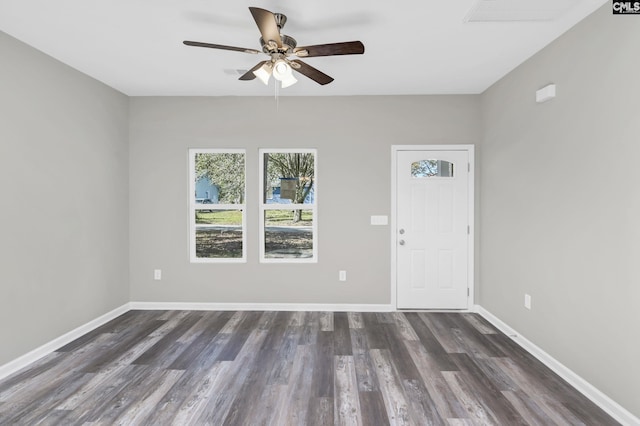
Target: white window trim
<point>264,206</point>
<point>193,206</point>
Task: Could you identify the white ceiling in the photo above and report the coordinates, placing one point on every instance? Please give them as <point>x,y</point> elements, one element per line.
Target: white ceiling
<point>411,46</point>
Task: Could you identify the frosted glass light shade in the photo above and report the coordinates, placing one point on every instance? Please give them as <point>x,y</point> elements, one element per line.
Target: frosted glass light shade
<point>263,73</point>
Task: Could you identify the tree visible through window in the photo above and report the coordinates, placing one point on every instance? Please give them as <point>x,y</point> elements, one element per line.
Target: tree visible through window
<point>288,206</point>
<point>217,205</point>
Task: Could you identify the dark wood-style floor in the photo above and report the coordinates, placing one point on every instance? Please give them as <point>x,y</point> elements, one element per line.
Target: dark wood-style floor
<point>293,368</point>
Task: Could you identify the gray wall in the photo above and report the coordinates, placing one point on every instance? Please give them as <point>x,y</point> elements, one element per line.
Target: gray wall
<point>353,136</point>
<point>64,214</point>
<point>560,203</point>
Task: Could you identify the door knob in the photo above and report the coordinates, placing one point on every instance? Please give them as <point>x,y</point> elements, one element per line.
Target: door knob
<point>401,242</point>
<point>401,231</point>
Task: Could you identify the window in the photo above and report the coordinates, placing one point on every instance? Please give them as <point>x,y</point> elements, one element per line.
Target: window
<point>431,168</point>
<point>288,206</point>
<point>217,205</point>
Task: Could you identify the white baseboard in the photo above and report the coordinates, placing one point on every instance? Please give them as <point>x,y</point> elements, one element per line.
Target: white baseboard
<point>188,306</point>
<point>614,409</point>
<point>26,359</point>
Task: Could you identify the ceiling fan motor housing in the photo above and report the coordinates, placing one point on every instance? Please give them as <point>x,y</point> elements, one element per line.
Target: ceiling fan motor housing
<point>288,44</point>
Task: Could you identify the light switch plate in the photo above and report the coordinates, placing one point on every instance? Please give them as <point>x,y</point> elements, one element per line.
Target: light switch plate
<point>379,220</point>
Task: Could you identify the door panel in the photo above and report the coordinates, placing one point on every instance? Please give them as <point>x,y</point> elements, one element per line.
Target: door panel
<point>432,219</point>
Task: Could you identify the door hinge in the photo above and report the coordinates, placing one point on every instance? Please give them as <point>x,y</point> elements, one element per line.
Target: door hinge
<point>468,167</point>
<point>468,230</point>
<point>468,292</point>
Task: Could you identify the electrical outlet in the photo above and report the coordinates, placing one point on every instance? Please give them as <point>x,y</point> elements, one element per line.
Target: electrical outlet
<point>342,275</point>
<point>157,274</point>
<point>527,301</point>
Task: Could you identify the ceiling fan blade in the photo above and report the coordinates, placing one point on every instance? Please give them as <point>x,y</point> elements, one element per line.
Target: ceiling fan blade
<point>330,49</point>
<point>267,25</point>
<point>219,46</point>
<point>249,75</point>
<point>309,71</point>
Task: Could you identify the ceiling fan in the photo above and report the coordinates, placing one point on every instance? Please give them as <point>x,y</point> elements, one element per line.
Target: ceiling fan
<point>281,47</point>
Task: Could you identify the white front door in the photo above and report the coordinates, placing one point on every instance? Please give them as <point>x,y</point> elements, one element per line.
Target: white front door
<point>432,229</point>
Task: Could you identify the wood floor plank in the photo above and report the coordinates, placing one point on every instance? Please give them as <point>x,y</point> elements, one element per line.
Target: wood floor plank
<point>142,408</point>
<point>188,410</point>
<point>187,395</point>
<point>297,319</point>
<point>212,325</point>
<point>347,404</point>
<point>114,326</point>
<point>403,327</point>
<point>442,328</point>
<point>266,320</point>
<point>320,412</point>
<point>341,334</point>
<point>468,399</point>
<point>481,324</point>
<point>130,397</point>
<point>402,361</point>
<point>546,399</point>
<point>255,400</point>
<point>46,398</point>
<point>528,409</point>
<point>487,392</point>
<point>448,406</point>
<point>69,363</point>
<point>365,372</point>
<point>310,329</point>
<point>293,368</point>
<point>422,406</point>
<point>391,388</point>
<point>125,341</point>
<point>326,321</point>
<point>373,408</point>
<point>355,320</point>
<point>12,383</point>
<point>323,377</point>
<point>239,336</point>
<point>299,389</point>
<point>431,343</point>
<point>91,408</point>
<point>373,329</point>
<point>573,405</point>
<point>221,399</point>
<point>281,368</point>
<point>277,330</point>
<point>471,339</point>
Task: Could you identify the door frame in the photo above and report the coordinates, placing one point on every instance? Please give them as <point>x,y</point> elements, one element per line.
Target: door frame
<point>470,149</point>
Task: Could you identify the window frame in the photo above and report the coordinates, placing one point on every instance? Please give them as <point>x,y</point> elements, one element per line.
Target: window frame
<point>193,206</point>
<point>263,206</point>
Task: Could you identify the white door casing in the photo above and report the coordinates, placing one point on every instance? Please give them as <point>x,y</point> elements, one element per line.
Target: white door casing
<point>432,228</point>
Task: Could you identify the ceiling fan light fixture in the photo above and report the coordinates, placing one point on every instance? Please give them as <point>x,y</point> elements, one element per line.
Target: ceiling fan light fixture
<point>283,73</point>
<point>289,81</point>
<point>281,70</point>
<point>264,72</point>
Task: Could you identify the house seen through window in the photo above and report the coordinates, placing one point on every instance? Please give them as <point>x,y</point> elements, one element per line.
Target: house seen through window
<point>217,205</point>
<point>288,209</point>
